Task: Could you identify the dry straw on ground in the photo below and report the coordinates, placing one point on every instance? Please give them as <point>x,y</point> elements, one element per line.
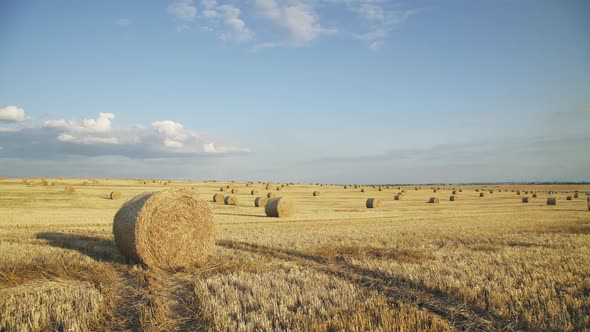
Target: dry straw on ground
<point>373,203</point>
<point>230,200</point>
<point>218,198</point>
<point>169,229</point>
<point>433,200</point>
<point>115,195</point>
<point>279,207</point>
<point>260,201</point>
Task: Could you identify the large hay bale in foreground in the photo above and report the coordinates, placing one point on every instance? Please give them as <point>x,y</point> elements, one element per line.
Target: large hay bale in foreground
<point>373,203</point>
<point>218,198</point>
<point>115,195</point>
<point>260,201</point>
<point>254,192</point>
<point>70,190</point>
<point>279,207</point>
<point>433,200</point>
<point>230,200</point>
<point>551,201</point>
<point>169,229</point>
<point>525,199</point>
<point>316,193</point>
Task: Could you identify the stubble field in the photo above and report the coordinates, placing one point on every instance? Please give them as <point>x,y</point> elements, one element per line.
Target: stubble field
<point>478,263</point>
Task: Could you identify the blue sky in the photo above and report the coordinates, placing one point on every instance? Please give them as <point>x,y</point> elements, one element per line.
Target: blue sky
<point>367,91</point>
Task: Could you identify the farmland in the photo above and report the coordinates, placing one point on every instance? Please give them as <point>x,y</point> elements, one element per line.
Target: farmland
<point>476,263</point>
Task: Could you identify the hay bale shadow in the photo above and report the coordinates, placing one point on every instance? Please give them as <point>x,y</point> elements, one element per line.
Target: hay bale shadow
<point>97,248</point>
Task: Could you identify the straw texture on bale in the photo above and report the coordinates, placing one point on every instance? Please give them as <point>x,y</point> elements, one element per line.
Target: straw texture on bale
<point>254,192</point>
<point>115,195</point>
<point>70,189</point>
<point>316,193</point>
<point>230,200</point>
<point>373,203</point>
<point>397,197</point>
<point>260,201</point>
<point>218,198</point>
<point>279,207</point>
<point>235,191</point>
<point>433,200</point>
<point>269,195</point>
<point>452,198</point>
<point>551,201</point>
<point>169,229</point>
<point>525,199</point>
<point>222,189</point>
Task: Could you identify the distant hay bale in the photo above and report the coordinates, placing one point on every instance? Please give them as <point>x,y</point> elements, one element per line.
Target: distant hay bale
<point>269,195</point>
<point>454,192</point>
<point>279,207</point>
<point>576,195</point>
<point>316,193</point>
<point>433,190</point>
<point>518,192</point>
<point>380,189</point>
<point>32,184</point>
<point>70,190</point>
<point>268,186</point>
<point>525,199</point>
<point>476,190</point>
<point>433,200</point>
<point>363,190</point>
<point>279,188</point>
<point>397,197</point>
<point>229,186</point>
<point>373,203</point>
<point>260,201</point>
<point>460,190</point>
<point>345,187</point>
<point>534,195</point>
<point>115,195</point>
<point>551,201</point>
<point>481,195</point>
<point>569,198</point>
<point>588,201</point>
<point>235,191</point>
<point>222,189</point>
<point>452,198</point>
<point>170,229</point>
<point>254,192</point>
<point>44,183</point>
<point>85,183</point>
<point>218,198</point>
<point>230,200</point>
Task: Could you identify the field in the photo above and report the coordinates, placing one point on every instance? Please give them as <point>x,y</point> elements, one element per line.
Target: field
<point>478,263</point>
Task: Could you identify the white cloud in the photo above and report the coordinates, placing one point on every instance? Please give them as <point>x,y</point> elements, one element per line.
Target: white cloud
<point>376,45</point>
<point>123,22</point>
<point>209,148</point>
<point>183,10</point>
<point>209,13</point>
<point>209,3</point>
<point>238,29</point>
<point>12,114</point>
<point>296,17</point>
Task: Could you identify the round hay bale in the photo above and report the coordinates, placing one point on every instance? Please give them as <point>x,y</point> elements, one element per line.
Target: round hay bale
<point>218,198</point>
<point>269,195</point>
<point>534,195</point>
<point>345,187</point>
<point>70,190</point>
<point>433,200</point>
<point>260,201</point>
<point>254,192</point>
<point>268,186</point>
<point>363,190</point>
<point>397,197</point>
<point>316,193</point>
<point>380,189</point>
<point>278,188</point>
<point>452,198</point>
<point>518,192</point>
<point>460,190</point>
<point>481,194</point>
<point>551,201</point>
<point>229,186</point>
<point>588,200</point>
<point>433,190</point>
<point>279,207</point>
<point>85,183</point>
<point>576,195</point>
<point>373,203</point>
<point>230,200</point>
<point>115,195</point>
<point>569,198</point>
<point>44,183</point>
<point>525,199</point>
<point>235,191</point>
<point>222,189</point>
<point>454,192</point>
<point>169,229</point>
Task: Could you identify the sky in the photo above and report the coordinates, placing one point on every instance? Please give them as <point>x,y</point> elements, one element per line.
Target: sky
<point>331,91</point>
